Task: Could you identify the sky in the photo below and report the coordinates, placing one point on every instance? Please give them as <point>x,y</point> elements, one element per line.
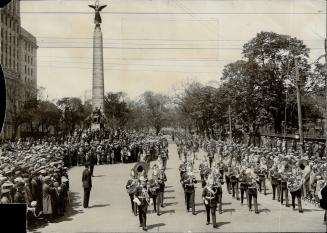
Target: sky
<point>158,45</point>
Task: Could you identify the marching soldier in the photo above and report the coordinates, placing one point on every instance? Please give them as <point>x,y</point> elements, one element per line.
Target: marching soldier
<point>182,169</point>
<point>131,188</point>
<point>274,176</point>
<point>204,169</point>
<point>154,188</point>
<point>141,197</point>
<point>284,189</point>
<point>294,186</point>
<point>210,157</point>
<point>164,157</point>
<point>252,180</point>
<point>218,182</point>
<point>227,178</point>
<point>243,186</point>
<point>262,179</point>
<point>210,198</point>
<point>188,182</point>
<point>234,182</point>
<point>161,180</point>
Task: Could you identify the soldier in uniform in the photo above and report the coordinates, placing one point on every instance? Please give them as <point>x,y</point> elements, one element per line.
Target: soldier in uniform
<point>142,199</point>
<point>218,180</point>
<point>274,176</point>
<point>131,188</point>
<point>210,157</point>
<point>188,182</point>
<point>252,180</point>
<point>161,180</point>
<point>164,157</point>
<point>182,169</point>
<point>262,179</point>
<point>204,168</point>
<point>243,186</point>
<point>234,182</point>
<point>154,190</point>
<point>284,190</point>
<point>227,178</point>
<point>210,198</point>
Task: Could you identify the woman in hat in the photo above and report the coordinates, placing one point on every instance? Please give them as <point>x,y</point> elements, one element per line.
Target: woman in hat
<point>47,203</point>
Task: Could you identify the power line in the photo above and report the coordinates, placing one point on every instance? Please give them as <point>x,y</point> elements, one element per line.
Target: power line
<point>145,59</point>
<point>125,64</point>
<point>174,13</point>
<point>165,71</point>
<point>150,39</point>
<point>149,48</point>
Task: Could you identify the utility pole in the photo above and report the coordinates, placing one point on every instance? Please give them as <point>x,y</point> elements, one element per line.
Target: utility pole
<point>299,110</point>
<point>230,126</point>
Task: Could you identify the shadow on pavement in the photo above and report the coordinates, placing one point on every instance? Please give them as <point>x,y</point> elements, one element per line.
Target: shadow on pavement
<point>169,186</point>
<point>170,203</point>
<point>199,211</point>
<point>98,176</point>
<point>103,205</point>
<point>169,191</point>
<point>264,210</point>
<point>155,225</point>
<point>71,211</point>
<point>219,224</point>
<point>227,203</point>
<point>229,210</point>
<point>168,212</point>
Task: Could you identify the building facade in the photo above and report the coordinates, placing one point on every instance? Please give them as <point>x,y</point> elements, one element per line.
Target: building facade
<point>18,60</point>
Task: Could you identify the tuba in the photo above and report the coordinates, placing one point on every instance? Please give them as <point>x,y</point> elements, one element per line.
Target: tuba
<point>293,183</point>
<point>140,168</point>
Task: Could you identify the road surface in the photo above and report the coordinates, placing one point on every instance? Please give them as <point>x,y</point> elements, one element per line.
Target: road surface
<point>111,212</point>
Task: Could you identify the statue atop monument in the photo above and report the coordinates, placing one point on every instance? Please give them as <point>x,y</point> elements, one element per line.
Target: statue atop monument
<point>97,8</point>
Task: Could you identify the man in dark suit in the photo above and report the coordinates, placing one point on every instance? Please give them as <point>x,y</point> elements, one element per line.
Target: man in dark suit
<point>87,185</point>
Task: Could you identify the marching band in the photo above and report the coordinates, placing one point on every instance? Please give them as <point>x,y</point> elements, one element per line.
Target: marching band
<point>247,172</point>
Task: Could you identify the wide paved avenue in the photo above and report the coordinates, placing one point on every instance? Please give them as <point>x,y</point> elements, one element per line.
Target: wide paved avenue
<point>111,212</point>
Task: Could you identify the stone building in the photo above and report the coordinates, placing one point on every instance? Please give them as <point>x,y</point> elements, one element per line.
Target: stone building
<point>18,60</point>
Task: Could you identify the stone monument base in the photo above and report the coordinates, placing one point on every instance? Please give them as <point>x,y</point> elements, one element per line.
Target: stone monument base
<point>95,126</point>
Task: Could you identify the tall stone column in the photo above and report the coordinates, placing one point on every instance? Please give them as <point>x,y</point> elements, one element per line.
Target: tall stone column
<point>98,79</point>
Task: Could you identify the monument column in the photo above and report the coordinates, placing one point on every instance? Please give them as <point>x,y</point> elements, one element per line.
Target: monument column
<point>98,79</point>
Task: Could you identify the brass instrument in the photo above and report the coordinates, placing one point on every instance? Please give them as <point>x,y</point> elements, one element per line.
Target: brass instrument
<point>132,187</point>
<point>140,168</point>
<point>293,183</point>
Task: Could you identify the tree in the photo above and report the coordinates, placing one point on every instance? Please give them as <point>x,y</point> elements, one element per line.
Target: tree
<point>22,102</point>
<point>116,109</point>
<point>156,109</point>
<point>243,90</point>
<point>74,113</point>
<point>274,55</point>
